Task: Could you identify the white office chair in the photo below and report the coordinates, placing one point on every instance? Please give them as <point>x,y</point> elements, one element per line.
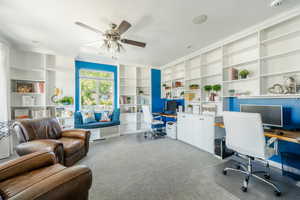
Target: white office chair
<point>151,121</point>
<point>245,135</point>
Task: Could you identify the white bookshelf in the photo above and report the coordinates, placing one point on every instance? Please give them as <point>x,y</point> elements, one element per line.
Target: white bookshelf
<point>271,53</point>
<point>32,68</point>
<point>135,91</point>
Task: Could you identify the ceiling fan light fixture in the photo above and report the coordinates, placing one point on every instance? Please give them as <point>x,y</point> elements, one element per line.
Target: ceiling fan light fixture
<point>200,19</point>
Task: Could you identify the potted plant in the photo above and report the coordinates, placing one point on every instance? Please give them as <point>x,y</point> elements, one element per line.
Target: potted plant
<point>182,94</point>
<point>190,108</point>
<point>194,86</point>
<point>231,92</point>
<point>208,88</point>
<point>66,100</point>
<point>244,73</point>
<point>216,88</point>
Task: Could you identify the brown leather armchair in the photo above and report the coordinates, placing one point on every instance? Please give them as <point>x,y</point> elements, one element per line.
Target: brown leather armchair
<point>38,176</point>
<point>46,134</point>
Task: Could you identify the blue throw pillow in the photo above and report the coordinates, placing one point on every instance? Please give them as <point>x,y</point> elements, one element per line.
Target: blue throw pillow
<point>88,117</point>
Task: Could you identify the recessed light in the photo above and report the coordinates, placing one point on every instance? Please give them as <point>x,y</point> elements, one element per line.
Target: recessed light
<point>200,19</point>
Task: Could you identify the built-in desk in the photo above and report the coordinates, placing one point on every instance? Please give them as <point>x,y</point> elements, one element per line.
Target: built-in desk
<point>289,136</point>
<point>168,115</point>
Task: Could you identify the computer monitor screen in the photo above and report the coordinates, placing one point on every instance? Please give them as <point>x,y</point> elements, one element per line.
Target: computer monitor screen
<point>270,115</point>
<point>171,106</point>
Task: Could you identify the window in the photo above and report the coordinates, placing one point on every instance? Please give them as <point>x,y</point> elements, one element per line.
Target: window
<point>96,90</point>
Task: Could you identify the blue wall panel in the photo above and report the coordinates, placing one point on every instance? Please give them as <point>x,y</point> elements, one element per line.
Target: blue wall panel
<point>94,66</point>
<point>157,102</point>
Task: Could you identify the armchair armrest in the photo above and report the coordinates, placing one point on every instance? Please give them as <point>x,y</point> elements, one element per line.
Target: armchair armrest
<point>76,133</point>
<point>46,145</point>
<point>70,183</point>
<point>26,163</point>
<point>80,134</point>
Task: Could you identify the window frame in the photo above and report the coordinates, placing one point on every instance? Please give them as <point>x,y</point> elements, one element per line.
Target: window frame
<point>112,79</point>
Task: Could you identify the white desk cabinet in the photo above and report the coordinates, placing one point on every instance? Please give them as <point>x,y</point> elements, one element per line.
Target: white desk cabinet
<point>197,130</point>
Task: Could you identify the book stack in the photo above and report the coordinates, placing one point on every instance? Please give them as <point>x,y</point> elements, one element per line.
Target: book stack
<point>233,74</point>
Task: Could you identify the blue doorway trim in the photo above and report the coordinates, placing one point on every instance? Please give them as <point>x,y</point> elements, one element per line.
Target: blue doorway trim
<point>94,66</point>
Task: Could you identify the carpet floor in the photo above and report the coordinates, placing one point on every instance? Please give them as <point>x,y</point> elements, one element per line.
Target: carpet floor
<point>132,168</point>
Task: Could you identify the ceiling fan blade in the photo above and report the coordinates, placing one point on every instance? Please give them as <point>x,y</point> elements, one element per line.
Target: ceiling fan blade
<point>89,27</point>
<point>123,27</point>
<point>135,43</point>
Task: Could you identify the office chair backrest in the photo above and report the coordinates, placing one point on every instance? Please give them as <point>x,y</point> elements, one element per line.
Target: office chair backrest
<point>147,114</point>
<point>245,134</point>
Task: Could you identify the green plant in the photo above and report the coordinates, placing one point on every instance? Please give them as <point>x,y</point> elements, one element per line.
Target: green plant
<point>244,73</point>
<point>207,88</point>
<point>216,87</point>
<point>67,100</point>
<point>194,86</point>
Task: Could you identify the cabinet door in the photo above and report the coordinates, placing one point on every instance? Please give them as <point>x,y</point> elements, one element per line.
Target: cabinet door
<point>208,134</point>
<point>181,127</point>
<point>198,131</point>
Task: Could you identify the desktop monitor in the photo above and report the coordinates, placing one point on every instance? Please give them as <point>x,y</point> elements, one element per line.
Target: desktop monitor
<point>171,107</point>
<point>270,115</point>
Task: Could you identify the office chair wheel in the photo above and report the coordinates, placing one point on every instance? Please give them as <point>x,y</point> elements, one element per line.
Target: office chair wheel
<point>268,177</point>
<point>278,194</point>
<point>224,172</point>
<point>244,189</point>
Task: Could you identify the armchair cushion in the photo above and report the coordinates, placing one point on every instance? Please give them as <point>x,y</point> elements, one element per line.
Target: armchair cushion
<point>47,145</point>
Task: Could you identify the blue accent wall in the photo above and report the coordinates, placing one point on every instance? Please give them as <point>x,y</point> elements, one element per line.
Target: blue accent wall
<point>157,102</point>
<point>291,114</point>
<point>94,66</point>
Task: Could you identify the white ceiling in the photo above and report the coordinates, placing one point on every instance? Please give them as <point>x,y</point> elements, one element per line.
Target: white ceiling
<point>165,25</point>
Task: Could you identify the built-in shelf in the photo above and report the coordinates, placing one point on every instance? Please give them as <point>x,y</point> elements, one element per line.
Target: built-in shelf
<point>32,106</point>
<point>212,62</point>
<point>270,96</point>
<point>241,80</point>
<point>30,80</point>
<point>281,36</point>
<point>280,54</point>
<point>280,73</point>
<point>195,67</point>
<point>242,63</point>
<point>211,75</point>
<point>27,93</point>
<point>28,69</point>
<point>192,79</point>
<point>241,50</point>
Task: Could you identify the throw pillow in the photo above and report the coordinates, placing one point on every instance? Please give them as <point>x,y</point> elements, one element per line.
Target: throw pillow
<point>105,116</point>
<point>88,117</point>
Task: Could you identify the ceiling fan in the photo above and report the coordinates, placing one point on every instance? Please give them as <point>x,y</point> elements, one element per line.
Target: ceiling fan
<point>112,37</point>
